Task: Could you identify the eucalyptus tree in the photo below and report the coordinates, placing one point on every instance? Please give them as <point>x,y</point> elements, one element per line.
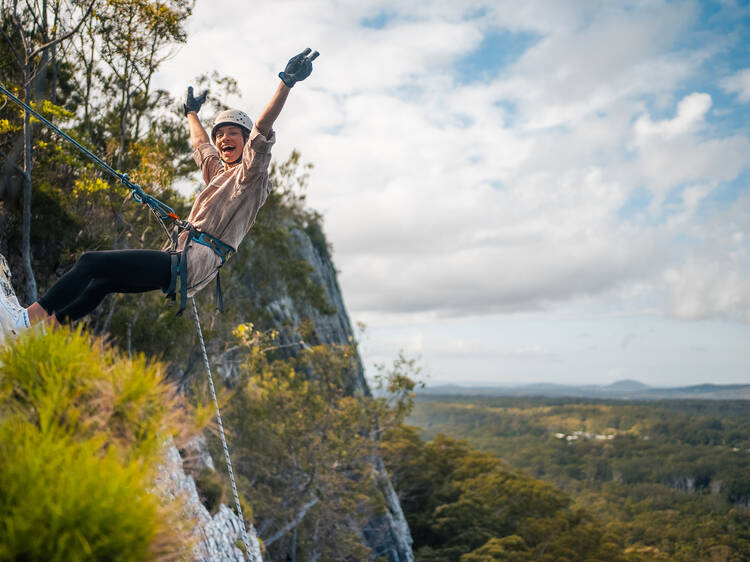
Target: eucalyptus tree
<point>135,37</point>
<point>36,31</point>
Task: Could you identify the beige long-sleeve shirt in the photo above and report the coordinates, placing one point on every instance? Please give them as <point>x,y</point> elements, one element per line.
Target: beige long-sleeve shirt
<point>229,204</point>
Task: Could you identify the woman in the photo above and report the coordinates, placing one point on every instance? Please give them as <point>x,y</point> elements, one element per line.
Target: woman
<point>235,169</point>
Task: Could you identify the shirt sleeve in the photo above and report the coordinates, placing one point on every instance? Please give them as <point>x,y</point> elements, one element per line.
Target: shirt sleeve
<point>256,157</point>
<point>207,158</point>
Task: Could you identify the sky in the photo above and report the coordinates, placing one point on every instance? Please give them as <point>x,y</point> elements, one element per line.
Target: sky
<point>517,191</point>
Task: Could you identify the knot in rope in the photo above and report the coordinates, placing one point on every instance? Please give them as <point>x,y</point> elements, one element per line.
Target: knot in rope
<point>136,190</point>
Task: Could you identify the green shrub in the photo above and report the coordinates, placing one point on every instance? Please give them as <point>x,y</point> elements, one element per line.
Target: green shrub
<point>210,489</point>
<point>81,431</point>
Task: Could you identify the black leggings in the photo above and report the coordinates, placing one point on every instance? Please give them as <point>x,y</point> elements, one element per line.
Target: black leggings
<point>96,274</point>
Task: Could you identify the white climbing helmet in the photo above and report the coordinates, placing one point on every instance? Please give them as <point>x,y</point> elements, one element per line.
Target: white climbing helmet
<point>232,117</point>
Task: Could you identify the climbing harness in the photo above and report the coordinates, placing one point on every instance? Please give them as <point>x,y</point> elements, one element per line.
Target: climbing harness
<point>221,430</point>
<point>180,264</point>
<point>164,212</point>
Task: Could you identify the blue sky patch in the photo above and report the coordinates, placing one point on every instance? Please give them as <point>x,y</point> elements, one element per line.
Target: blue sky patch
<point>498,49</point>
<point>378,21</point>
<point>725,194</point>
<point>727,28</point>
<point>458,120</point>
<point>638,200</point>
<point>509,111</point>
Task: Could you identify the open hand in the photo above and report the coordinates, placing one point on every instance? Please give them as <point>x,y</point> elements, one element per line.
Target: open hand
<point>192,103</point>
<point>298,68</point>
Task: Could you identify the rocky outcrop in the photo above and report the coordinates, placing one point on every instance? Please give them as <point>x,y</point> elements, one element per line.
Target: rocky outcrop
<point>387,535</point>
<point>333,328</point>
<point>6,288</point>
<point>219,537</point>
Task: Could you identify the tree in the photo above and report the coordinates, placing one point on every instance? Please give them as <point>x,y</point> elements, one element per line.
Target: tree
<point>463,503</point>
<point>38,29</point>
<point>134,37</point>
<point>306,444</point>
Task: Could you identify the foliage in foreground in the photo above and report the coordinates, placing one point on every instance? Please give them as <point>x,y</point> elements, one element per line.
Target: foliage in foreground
<point>81,430</point>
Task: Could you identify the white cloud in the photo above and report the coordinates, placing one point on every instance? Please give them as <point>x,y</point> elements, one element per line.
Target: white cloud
<point>713,280</point>
<point>444,198</point>
<point>678,150</point>
<point>708,288</point>
<point>667,164</point>
<point>604,55</point>
<point>738,83</point>
<point>691,113</point>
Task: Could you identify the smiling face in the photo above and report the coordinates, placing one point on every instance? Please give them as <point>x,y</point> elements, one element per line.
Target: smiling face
<point>229,141</point>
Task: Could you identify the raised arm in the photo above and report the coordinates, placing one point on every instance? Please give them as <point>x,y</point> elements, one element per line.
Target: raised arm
<point>273,109</point>
<point>297,69</point>
<point>198,135</point>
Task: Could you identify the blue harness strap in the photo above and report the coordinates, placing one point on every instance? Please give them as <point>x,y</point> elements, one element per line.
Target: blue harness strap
<point>179,264</point>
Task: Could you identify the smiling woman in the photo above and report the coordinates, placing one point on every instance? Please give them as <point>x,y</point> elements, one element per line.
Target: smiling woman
<point>230,139</point>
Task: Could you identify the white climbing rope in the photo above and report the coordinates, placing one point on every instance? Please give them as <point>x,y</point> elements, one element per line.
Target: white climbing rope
<point>221,430</point>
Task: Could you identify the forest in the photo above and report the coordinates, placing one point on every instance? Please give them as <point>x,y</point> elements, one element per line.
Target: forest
<point>664,480</point>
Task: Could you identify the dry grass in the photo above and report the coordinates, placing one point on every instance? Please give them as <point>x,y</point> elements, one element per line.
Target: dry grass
<point>81,434</point>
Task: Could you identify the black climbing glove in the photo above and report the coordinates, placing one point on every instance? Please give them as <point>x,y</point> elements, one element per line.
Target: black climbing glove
<point>298,68</point>
<point>194,104</point>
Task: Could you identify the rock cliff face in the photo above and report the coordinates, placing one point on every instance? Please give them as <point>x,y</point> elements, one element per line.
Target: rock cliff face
<point>217,537</point>
<point>333,328</point>
<point>387,535</point>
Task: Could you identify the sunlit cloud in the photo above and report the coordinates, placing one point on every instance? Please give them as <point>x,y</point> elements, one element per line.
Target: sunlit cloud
<point>738,83</point>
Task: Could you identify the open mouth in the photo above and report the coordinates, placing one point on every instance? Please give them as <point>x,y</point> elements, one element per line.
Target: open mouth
<point>225,150</point>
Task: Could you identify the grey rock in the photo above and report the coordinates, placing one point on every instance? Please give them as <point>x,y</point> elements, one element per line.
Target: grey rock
<point>216,536</point>
<point>387,535</point>
<point>196,450</point>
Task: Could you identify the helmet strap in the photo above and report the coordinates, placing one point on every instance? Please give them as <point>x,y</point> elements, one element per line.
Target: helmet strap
<point>233,163</point>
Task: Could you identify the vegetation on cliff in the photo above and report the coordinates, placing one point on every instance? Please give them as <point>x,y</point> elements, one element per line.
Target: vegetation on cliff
<point>463,504</point>
<point>81,434</point>
<point>307,441</point>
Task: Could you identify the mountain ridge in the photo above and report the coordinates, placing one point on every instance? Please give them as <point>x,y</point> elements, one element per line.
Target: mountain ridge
<point>625,389</point>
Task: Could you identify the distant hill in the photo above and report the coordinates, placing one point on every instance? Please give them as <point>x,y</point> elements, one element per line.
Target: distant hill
<point>628,385</point>
<point>627,389</point>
